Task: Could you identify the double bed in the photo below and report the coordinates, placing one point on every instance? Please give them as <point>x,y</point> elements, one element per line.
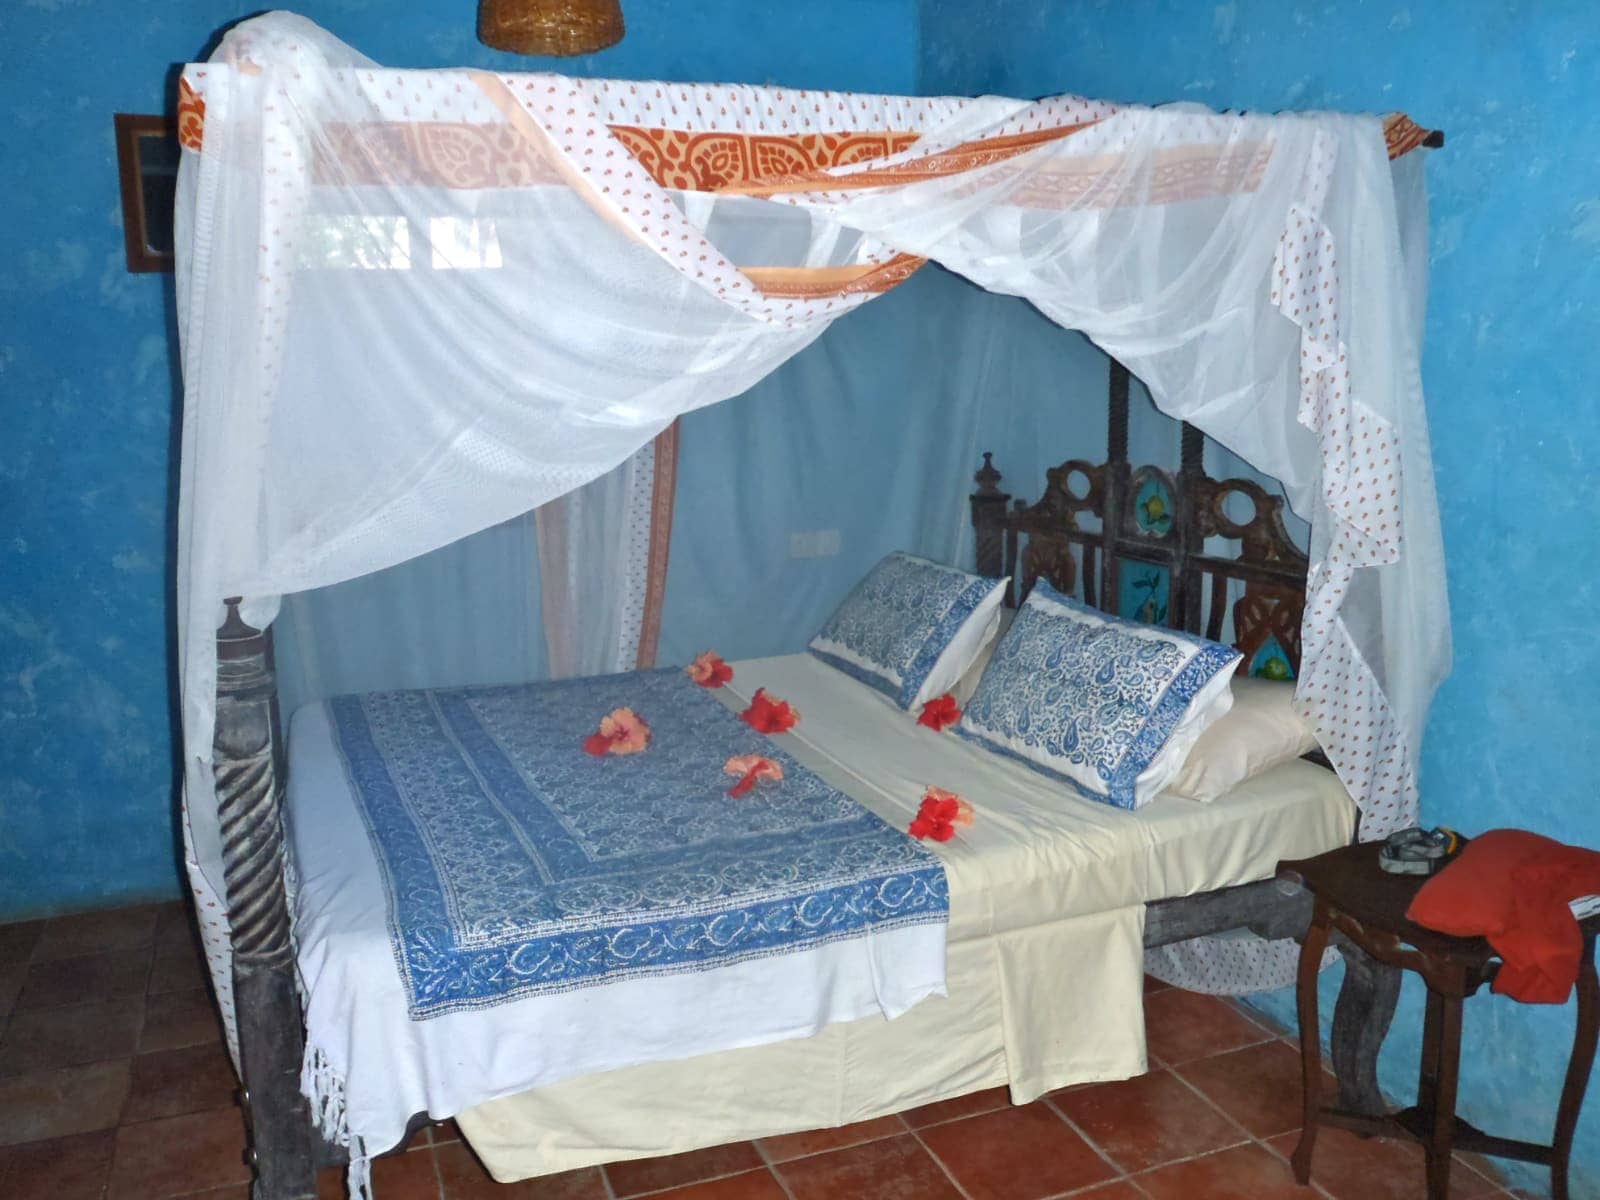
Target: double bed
<point>1034,983</point>
<point>1258,272</point>
<point>1042,981</point>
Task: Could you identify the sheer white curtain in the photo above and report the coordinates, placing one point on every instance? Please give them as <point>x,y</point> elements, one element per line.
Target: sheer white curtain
<point>594,569</point>
<point>467,613</point>
<point>1219,259</point>
<point>416,304</point>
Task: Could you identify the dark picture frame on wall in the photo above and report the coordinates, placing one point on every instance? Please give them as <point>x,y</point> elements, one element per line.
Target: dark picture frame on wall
<point>147,164</point>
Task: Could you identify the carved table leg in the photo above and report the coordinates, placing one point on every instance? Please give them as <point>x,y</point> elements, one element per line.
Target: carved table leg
<point>1311,949</point>
<point>1436,1094</point>
<point>1361,1021</point>
<point>1578,1066</point>
<point>1428,1072</point>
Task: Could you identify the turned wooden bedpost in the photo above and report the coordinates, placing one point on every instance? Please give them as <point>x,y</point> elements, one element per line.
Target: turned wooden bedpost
<point>988,518</point>
<point>247,755</point>
<point>1187,583</point>
<point>1117,473</point>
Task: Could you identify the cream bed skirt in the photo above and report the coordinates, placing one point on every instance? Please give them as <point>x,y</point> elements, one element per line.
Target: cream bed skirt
<point>1035,1008</point>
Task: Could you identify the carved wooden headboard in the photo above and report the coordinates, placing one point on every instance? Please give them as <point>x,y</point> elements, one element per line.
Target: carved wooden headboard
<point>1148,558</point>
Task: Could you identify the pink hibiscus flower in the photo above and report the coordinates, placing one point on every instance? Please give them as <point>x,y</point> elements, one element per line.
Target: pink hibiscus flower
<point>622,731</point>
<point>709,671</point>
<point>751,769</point>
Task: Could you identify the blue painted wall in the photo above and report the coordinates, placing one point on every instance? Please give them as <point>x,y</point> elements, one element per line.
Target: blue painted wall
<point>873,431</point>
<point>87,487</point>
<point>1510,365</point>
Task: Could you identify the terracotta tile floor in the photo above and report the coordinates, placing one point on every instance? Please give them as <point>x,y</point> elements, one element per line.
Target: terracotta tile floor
<point>114,1083</point>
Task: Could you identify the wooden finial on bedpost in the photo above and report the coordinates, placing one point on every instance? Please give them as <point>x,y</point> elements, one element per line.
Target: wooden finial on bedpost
<point>246,750</point>
<point>988,476</point>
<point>988,518</point>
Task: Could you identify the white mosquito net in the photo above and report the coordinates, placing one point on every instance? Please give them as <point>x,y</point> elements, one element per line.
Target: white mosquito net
<point>414,304</point>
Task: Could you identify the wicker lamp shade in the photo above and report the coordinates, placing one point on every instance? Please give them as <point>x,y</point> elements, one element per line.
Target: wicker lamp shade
<point>559,27</point>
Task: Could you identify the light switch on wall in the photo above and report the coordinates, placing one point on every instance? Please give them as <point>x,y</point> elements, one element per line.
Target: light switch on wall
<point>814,543</point>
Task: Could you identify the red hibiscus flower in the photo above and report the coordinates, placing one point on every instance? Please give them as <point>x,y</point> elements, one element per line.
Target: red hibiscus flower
<point>939,713</point>
<point>622,731</point>
<point>939,815</point>
<point>709,671</point>
<point>751,769</point>
<point>766,715</point>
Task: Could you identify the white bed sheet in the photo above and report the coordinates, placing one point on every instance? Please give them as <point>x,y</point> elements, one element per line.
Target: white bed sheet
<point>1039,851</point>
<point>1046,893</point>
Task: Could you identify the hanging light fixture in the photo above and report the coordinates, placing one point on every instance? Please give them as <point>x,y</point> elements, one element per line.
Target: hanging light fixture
<point>559,27</point>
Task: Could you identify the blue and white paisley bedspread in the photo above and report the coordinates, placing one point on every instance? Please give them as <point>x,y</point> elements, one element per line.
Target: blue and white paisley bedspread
<point>517,865</point>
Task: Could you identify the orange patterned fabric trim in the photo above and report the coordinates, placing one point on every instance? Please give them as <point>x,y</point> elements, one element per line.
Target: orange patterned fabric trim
<point>811,283</point>
<point>464,155</point>
<point>442,154</point>
<point>458,155</point>
<point>1187,173</point>
<point>1402,134</point>
<point>679,159</point>
<point>712,162</point>
<point>191,117</point>
<point>965,157</point>
<point>663,498</point>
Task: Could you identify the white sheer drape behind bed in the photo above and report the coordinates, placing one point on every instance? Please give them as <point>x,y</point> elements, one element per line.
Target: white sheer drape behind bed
<point>556,592</point>
<point>467,613</point>
<point>416,304</point>
<point>594,557</point>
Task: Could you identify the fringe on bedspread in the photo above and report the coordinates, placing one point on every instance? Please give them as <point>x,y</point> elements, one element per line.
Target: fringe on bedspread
<point>319,1082</point>
<point>324,1087</point>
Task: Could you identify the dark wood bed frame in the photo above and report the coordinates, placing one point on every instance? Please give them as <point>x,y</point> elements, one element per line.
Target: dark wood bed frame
<point>1025,541</point>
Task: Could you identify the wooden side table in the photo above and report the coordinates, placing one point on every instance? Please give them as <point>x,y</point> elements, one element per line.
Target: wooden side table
<point>1365,907</point>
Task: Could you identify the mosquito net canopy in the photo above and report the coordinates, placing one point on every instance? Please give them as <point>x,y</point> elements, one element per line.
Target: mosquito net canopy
<point>414,304</point>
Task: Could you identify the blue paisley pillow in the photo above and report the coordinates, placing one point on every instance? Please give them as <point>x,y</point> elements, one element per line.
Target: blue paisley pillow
<point>911,627</point>
<point>1111,706</point>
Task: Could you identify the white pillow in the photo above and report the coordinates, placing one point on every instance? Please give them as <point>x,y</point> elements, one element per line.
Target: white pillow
<point>1111,706</point>
<point>911,628</point>
<point>967,685</point>
<point>1260,731</point>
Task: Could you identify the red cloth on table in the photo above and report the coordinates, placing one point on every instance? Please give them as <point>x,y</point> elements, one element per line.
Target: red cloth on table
<point>1513,888</point>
